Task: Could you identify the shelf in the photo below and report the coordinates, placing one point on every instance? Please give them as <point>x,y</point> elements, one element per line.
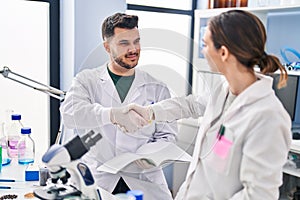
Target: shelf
<point>203,13</point>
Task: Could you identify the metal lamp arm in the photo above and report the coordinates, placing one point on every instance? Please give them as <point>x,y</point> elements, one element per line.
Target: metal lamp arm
<point>51,91</point>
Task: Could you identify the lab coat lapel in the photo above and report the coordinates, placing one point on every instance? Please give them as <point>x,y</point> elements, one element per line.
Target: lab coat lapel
<point>214,109</point>
<point>136,90</point>
<point>108,85</point>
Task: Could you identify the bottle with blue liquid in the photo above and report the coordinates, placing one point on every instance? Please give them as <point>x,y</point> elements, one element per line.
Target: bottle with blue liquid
<point>26,147</point>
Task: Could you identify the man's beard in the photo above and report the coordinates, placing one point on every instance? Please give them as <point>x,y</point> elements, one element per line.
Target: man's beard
<point>119,61</point>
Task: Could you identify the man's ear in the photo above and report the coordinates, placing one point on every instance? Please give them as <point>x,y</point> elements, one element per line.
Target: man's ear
<point>106,46</point>
<point>224,53</point>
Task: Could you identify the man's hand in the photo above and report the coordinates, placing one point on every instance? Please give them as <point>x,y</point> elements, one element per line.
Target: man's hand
<point>127,119</point>
<point>144,164</point>
<point>144,111</point>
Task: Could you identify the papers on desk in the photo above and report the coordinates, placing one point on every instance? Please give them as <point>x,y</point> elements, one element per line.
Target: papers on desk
<point>157,153</point>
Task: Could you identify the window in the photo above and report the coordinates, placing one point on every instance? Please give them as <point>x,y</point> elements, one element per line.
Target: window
<point>166,36</point>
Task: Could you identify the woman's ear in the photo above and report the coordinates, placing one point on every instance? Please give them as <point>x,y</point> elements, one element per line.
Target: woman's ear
<point>224,53</point>
<point>106,46</point>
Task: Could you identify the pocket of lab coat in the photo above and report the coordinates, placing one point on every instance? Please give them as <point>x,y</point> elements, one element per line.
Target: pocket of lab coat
<point>221,155</point>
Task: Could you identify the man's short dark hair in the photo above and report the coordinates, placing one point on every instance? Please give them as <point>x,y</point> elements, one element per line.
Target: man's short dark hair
<point>120,20</point>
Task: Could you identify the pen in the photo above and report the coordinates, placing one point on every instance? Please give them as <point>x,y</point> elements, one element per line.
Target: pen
<point>9,187</point>
<point>7,180</point>
<point>5,187</point>
<point>221,132</point>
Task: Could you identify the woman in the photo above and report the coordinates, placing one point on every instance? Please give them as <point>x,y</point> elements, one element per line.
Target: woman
<point>244,137</point>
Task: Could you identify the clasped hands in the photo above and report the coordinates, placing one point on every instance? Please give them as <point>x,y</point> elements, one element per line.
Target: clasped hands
<point>132,117</point>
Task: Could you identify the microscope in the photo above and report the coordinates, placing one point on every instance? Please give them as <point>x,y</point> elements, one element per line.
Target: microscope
<point>70,178</point>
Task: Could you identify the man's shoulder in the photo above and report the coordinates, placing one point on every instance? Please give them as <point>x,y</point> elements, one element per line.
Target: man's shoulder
<point>91,71</point>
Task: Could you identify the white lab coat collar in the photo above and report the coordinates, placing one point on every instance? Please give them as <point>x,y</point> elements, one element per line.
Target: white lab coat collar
<point>134,92</point>
<point>250,94</point>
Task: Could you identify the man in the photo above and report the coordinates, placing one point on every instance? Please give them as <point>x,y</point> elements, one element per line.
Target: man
<point>89,105</point>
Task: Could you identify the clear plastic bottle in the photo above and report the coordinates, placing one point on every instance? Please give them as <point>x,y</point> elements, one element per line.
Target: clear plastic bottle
<point>26,147</point>
<point>13,135</point>
<point>3,143</point>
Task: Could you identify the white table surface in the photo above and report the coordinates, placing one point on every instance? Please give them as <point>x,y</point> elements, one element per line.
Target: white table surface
<point>16,172</point>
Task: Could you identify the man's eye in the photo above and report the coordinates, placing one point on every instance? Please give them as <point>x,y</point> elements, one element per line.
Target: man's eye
<point>123,43</point>
<point>137,42</point>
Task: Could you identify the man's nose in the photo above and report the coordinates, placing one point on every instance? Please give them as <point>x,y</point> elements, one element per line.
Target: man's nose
<point>133,47</point>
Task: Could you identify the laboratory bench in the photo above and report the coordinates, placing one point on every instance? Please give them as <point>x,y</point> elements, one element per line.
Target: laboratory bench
<point>20,187</point>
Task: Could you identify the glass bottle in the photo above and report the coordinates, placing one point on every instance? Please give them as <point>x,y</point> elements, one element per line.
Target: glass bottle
<point>13,135</point>
<point>26,147</point>
<point>3,143</point>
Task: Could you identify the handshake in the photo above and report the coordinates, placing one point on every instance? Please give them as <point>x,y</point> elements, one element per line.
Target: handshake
<point>132,117</point>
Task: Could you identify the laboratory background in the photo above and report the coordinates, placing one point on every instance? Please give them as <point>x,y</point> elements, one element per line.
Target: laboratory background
<point>45,43</point>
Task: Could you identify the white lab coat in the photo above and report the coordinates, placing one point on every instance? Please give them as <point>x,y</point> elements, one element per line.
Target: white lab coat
<point>86,106</point>
<point>260,131</point>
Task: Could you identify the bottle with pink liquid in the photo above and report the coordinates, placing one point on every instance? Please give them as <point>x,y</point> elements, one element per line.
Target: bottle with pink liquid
<point>13,135</point>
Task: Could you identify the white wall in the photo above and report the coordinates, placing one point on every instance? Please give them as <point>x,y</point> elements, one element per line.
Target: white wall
<point>24,39</point>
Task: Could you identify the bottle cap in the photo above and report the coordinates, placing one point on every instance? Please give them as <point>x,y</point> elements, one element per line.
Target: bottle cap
<point>16,117</point>
<point>138,194</point>
<point>25,130</point>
